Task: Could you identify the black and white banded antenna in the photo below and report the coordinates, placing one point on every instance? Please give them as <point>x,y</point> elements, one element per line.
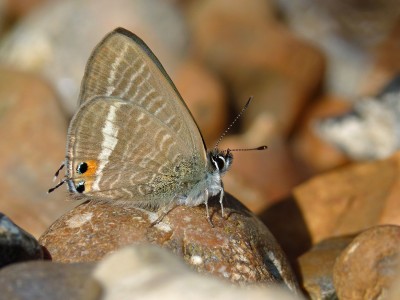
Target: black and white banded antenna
<point>230,126</point>
<point>55,178</point>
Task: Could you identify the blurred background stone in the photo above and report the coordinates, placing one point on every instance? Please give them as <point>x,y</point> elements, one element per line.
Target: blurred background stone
<point>253,52</point>
<point>16,244</point>
<point>206,98</point>
<point>32,145</point>
<point>260,178</point>
<point>316,154</point>
<point>239,248</point>
<point>336,203</point>
<point>129,272</point>
<point>394,292</point>
<point>347,32</point>
<point>366,269</point>
<point>17,9</point>
<point>352,16</point>
<point>44,280</point>
<point>3,13</point>
<point>370,129</point>
<point>59,52</point>
<point>386,64</point>
<point>316,267</point>
<point>286,221</point>
<point>350,199</point>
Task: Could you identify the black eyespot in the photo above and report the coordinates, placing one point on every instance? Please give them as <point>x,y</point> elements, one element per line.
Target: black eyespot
<point>82,168</point>
<point>220,160</point>
<point>80,187</point>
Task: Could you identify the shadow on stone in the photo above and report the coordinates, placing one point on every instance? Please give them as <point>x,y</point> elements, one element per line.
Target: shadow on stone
<point>285,220</point>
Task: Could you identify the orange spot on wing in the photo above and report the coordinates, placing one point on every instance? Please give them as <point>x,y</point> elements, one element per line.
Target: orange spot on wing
<point>89,174</point>
<point>88,177</point>
<point>88,186</point>
<point>92,167</point>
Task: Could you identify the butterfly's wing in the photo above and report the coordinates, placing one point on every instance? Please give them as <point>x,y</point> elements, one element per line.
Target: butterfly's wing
<point>123,66</point>
<point>128,154</point>
<point>132,128</point>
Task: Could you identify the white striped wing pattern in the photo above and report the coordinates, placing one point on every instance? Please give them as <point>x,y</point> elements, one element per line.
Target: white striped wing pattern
<point>133,138</point>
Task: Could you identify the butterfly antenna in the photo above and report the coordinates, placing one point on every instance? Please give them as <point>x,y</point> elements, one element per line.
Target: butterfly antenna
<point>57,186</point>
<point>55,178</point>
<point>58,171</point>
<point>249,149</point>
<point>233,122</point>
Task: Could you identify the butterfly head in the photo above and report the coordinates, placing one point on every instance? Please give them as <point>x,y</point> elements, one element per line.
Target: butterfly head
<point>220,160</point>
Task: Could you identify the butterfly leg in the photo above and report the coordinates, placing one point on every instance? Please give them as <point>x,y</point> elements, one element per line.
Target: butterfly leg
<point>221,198</point>
<point>207,210</point>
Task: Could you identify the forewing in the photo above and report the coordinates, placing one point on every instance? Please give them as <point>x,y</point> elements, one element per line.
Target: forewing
<point>122,66</point>
<point>130,154</point>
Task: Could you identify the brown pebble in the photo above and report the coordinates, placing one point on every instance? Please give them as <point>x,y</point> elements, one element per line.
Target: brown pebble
<point>340,202</point>
<point>316,154</point>
<point>44,280</point>
<point>351,199</point>
<point>205,97</point>
<point>316,267</point>
<point>32,146</point>
<point>260,177</point>
<point>259,63</point>
<point>386,63</point>
<point>394,293</point>
<point>34,46</point>
<point>133,269</point>
<point>366,269</point>
<point>239,247</point>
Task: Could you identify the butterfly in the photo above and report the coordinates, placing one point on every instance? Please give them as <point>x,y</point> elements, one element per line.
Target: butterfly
<point>133,140</point>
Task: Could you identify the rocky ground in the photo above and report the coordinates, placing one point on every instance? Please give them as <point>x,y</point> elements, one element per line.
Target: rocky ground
<point>316,216</point>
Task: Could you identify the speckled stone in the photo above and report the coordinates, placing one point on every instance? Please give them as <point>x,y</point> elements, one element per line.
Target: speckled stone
<point>316,267</point>
<point>16,244</point>
<point>367,268</point>
<point>44,280</point>
<point>239,247</point>
<point>129,272</point>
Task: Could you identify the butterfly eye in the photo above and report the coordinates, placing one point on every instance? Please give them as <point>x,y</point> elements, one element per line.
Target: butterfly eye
<point>82,168</point>
<point>220,160</point>
<point>80,187</point>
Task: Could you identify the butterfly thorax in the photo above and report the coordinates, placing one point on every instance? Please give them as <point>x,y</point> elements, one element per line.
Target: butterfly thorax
<point>218,162</point>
